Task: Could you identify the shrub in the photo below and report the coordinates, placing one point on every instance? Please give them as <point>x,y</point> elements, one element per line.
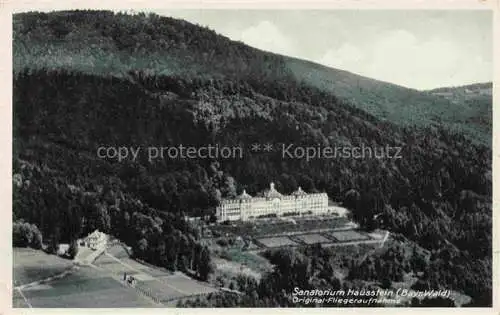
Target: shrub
<point>26,235</point>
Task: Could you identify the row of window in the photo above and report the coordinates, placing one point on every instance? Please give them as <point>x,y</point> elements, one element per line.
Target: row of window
<point>271,210</point>
<point>237,214</point>
<point>284,205</point>
<point>273,207</point>
<point>312,199</point>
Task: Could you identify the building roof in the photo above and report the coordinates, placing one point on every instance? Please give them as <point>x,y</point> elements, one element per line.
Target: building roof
<point>272,192</point>
<point>95,234</point>
<point>244,195</point>
<point>299,192</point>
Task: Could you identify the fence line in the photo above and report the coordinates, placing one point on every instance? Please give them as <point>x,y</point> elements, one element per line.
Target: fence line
<point>144,291</point>
<point>148,293</point>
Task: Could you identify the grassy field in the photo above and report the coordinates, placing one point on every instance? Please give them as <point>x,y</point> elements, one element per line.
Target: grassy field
<point>86,287</point>
<point>118,251</point>
<point>31,265</point>
<point>18,300</point>
<point>126,264</point>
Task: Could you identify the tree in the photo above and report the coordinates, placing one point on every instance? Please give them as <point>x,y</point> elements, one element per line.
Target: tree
<point>53,245</point>
<point>73,249</point>
<point>205,266</point>
<point>26,235</point>
<point>37,239</point>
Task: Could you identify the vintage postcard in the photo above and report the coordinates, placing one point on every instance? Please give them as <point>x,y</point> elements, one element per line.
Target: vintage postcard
<point>217,155</point>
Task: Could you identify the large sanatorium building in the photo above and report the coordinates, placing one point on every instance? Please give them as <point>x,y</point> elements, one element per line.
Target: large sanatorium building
<point>245,207</point>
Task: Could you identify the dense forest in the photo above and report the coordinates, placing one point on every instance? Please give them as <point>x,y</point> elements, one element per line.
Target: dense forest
<point>80,85</point>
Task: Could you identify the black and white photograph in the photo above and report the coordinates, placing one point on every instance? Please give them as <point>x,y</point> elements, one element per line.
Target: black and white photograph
<point>252,158</point>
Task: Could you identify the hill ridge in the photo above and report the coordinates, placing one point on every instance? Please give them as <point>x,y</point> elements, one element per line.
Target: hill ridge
<point>153,43</point>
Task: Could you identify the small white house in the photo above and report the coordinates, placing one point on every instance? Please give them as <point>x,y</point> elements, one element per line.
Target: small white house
<point>95,240</point>
<point>62,249</point>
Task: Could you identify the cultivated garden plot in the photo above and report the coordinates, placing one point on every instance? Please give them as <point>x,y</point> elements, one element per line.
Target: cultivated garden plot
<point>188,285</point>
<point>263,227</point>
<point>171,287</point>
<point>348,236</point>
<point>160,290</point>
<point>277,241</point>
<point>157,282</point>
<point>312,238</point>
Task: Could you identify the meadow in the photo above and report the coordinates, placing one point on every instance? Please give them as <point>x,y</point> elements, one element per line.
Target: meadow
<point>31,265</point>
<point>85,287</point>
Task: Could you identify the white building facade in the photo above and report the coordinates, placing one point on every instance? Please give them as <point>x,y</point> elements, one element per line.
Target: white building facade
<point>96,240</point>
<point>245,207</point>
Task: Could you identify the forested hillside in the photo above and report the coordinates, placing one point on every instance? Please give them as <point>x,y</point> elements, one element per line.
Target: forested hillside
<point>475,102</point>
<point>101,42</point>
<point>89,79</point>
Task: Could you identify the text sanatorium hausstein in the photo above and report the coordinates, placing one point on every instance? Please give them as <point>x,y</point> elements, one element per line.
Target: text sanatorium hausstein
<point>371,293</point>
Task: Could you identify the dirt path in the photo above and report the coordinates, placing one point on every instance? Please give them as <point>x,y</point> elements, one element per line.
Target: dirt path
<point>24,297</point>
<point>51,278</point>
